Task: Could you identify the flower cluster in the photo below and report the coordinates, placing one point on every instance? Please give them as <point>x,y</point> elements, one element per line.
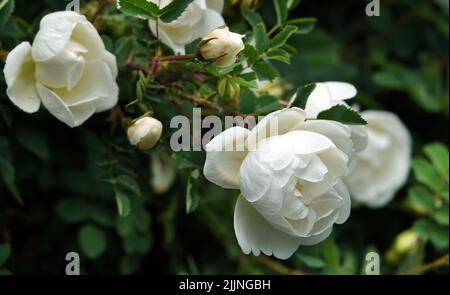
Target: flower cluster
<point>296,171</point>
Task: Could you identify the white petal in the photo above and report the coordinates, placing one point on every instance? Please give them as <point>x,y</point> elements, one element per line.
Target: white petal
<point>74,116</point>
<point>62,70</point>
<point>223,160</point>
<point>97,82</point>
<point>339,134</point>
<point>328,94</point>
<point>314,172</point>
<point>212,20</point>
<point>178,48</point>
<point>359,138</point>
<point>86,34</point>
<point>19,76</point>
<point>277,123</point>
<point>54,34</point>
<point>255,178</point>
<point>345,210</point>
<point>256,235</point>
<point>111,61</point>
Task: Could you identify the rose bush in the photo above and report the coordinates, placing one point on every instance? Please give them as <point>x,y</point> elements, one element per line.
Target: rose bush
<point>67,69</point>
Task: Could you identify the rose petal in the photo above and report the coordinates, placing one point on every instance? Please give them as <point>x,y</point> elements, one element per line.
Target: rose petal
<point>256,235</point>
<point>328,94</point>
<point>54,34</point>
<point>223,159</point>
<point>19,76</point>
<point>74,116</point>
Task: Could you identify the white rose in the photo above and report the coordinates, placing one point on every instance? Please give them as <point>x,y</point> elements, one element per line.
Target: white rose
<point>222,46</point>
<point>291,189</point>
<point>145,133</point>
<point>199,18</point>
<point>329,94</point>
<point>383,167</point>
<point>67,69</point>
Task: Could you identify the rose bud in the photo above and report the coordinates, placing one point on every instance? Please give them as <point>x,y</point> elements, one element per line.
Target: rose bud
<point>145,133</point>
<point>222,46</point>
<point>228,89</point>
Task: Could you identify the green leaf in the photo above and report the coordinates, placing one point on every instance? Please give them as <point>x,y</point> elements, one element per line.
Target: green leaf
<point>342,114</point>
<point>192,195</point>
<point>123,203</point>
<point>72,210</point>
<point>426,174</point>
<point>438,154</point>
<point>291,4</point>
<point>92,241</point>
<point>279,55</point>
<point>421,197</point>
<point>262,42</point>
<point>302,95</point>
<point>281,10</point>
<point>441,215</point>
<point>173,10</point>
<point>34,141</point>
<point>127,183</point>
<point>436,234</point>
<point>282,37</point>
<point>304,25</point>
<point>265,70</point>
<point>139,8</point>
<point>5,252</point>
<point>243,82</point>
<point>311,261</point>
<point>187,160</point>
<point>253,18</point>
<point>6,10</point>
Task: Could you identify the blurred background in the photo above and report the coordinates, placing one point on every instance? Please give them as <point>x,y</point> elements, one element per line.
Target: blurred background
<point>58,186</point>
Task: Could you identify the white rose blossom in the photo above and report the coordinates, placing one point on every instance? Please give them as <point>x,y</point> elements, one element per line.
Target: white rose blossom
<point>67,69</point>
<point>291,188</point>
<point>222,46</point>
<point>383,167</point>
<point>199,18</point>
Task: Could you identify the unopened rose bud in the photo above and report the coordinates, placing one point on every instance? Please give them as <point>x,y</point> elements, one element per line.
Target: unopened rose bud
<point>145,133</point>
<point>228,89</point>
<point>222,46</point>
